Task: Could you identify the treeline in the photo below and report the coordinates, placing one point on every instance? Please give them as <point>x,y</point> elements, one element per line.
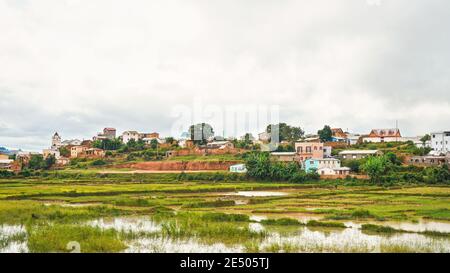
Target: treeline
<point>388,169</point>
<point>260,166</point>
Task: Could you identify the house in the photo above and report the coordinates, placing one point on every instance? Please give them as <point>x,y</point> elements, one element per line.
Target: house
<point>327,151</point>
<point>62,161</point>
<point>384,135</point>
<point>5,164</point>
<point>308,150</point>
<point>149,135</point>
<point>77,151</point>
<point>54,152</point>
<point>129,135</point>
<point>428,160</point>
<point>285,156</point>
<point>95,153</point>
<point>220,145</point>
<point>4,157</point>
<point>338,133</point>
<point>359,154</point>
<point>108,133</point>
<point>440,141</point>
<point>325,166</point>
<point>71,142</point>
<point>264,137</point>
<point>238,168</point>
<point>353,139</point>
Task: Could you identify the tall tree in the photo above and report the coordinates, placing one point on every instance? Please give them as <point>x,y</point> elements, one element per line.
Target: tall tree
<point>286,132</point>
<point>325,134</point>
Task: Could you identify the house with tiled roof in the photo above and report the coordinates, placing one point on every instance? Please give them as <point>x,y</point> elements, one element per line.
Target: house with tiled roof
<point>384,135</point>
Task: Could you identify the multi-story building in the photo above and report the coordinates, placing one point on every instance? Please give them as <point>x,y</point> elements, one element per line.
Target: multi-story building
<point>326,166</point>
<point>440,142</point>
<point>308,150</point>
<point>108,133</point>
<point>129,135</point>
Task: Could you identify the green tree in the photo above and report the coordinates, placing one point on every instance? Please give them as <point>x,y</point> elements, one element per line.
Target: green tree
<point>325,134</point>
<point>258,165</point>
<point>154,144</point>
<point>49,161</point>
<point>36,162</point>
<point>376,167</point>
<point>286,132</point>
<point>425,138</point>
<point>64,152</point>
<point>392,157</point>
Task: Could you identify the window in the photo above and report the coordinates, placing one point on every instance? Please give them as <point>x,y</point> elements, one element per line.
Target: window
<point>308,149</point>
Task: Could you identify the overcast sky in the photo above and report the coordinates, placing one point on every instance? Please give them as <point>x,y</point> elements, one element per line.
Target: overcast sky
<point>76,66</point>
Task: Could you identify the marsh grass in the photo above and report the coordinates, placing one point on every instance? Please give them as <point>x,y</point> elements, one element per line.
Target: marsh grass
<point>314,223</point>
<point>48,238</point>
<point>281,222</point>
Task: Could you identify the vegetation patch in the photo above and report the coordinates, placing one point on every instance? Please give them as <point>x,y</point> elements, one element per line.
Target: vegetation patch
<point>314,223</point>
<point>63,238</point>
<point>281,222</point>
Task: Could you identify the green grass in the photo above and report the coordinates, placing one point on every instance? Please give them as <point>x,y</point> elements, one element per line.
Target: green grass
<point>314,223</point>
<point>281,222</point>
<point>57,238</point>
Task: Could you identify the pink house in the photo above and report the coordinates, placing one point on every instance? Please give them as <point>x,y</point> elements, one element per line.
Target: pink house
<point>308,150</point>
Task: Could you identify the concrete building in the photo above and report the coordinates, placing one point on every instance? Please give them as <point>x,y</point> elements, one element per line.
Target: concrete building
<point>326,166</point>
<point>56,141</point>
<point>77,151</point>
<point>264,137</point>
<point>308,150</point>
<point>54,152</point>
<point>129,135</point>
<point>5,164</point>
<point>220,145</point>
<point>428,160</point>
<point>108,133</point>
<point>327,151</point>
<point>285,156</point>
<point>358,154</point>
<point>440,142</point>
<point>383,135</point>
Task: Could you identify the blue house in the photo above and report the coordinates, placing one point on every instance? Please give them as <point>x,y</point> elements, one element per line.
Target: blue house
<point>311,164</point>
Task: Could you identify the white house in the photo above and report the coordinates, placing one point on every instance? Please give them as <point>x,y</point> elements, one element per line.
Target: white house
<point>326,166</point>
<point>239,168</point>
<point>129,135</point>
<point>440,142</point>
<point>327,151</point>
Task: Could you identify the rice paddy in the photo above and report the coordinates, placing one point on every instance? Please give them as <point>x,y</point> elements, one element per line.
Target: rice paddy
<point>159,213</point>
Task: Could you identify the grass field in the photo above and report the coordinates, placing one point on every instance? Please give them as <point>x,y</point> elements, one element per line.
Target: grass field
<point>52,209</point>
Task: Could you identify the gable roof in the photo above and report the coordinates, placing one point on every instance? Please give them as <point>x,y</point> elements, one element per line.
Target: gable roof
<point>385,133</point>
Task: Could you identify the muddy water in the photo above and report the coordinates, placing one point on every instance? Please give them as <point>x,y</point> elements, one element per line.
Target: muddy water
<point>7,243</point>
<point>298,238</point>
<point>127,224</point>
<point>279,239</point>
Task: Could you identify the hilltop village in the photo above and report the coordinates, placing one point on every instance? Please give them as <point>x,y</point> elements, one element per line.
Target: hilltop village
<point>331,153</point>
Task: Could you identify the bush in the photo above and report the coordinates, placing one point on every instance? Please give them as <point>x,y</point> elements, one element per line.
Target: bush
<point>98,162</point>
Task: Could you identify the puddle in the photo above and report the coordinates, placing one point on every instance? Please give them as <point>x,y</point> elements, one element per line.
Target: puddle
<point>71,205</point>
<point>257,193</point>
<point>422,225</point>
<point>9,239</point>
<point>127,224</point>
<point>164,245</point>
<point>353,240</point>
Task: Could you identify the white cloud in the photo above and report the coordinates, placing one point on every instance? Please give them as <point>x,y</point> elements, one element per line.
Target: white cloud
<point>77,66</point>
